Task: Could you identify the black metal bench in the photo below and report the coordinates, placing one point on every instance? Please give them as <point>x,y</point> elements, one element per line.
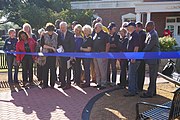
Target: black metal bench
<point>173,77</point>
<point>167,111</point>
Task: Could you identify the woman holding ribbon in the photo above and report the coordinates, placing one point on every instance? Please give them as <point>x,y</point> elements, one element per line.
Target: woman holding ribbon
<point>49,42</point>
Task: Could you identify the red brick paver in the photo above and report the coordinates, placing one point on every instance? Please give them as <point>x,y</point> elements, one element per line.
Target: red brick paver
<point>46,104</point>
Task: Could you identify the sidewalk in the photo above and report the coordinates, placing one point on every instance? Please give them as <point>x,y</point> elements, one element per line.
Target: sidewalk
<point>48,104</point>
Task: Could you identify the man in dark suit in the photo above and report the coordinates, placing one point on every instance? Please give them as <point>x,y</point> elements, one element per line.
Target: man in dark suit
<point>152,45</point>
<point>68,43</point>
<point>141,69</point>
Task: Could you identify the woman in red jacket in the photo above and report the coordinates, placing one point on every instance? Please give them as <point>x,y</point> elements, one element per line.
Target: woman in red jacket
<point>25,44</point>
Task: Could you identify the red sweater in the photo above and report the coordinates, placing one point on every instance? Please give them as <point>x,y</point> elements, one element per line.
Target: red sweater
<point>20,48</point>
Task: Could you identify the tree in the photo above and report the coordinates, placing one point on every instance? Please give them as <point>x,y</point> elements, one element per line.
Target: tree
<point>39,12</point>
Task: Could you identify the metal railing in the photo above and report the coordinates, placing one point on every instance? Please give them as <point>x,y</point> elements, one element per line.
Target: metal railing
<point>3,63</point>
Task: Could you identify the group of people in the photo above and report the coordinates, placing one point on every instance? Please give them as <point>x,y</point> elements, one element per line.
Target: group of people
<point>131,37</point>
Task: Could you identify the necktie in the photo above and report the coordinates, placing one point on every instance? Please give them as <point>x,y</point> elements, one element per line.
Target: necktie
<point>62,36</point>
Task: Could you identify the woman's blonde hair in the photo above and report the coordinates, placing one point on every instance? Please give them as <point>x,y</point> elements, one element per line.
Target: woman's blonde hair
<point>88,28</point>
<point>79,27</point>
<point>30,28</point>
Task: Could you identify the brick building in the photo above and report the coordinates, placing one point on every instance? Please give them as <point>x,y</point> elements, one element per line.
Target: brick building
<point>165,13</point>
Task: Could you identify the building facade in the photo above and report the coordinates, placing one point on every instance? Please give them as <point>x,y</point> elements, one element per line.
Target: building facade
<point>165,13</point>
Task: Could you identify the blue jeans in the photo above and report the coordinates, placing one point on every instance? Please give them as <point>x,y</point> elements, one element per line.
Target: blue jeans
<point>10,60</point>
<point>132,77</point>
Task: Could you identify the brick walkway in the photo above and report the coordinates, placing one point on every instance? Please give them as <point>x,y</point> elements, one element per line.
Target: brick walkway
<point>46,104</point>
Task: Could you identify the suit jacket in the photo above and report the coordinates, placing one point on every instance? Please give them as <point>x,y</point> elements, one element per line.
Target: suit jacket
<point>152,45</point>
<point>68,42</point>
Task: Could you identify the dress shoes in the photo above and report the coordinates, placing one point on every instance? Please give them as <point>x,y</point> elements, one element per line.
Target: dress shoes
<point>129,94</point>
<point>66,87</point>
<point>61,86</point>
<point>145,95</point>
<point>84,85</point>
<point>101,88</point>
<point>97,86</point>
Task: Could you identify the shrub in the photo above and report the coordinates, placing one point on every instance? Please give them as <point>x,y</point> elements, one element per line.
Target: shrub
<point>167,43</point>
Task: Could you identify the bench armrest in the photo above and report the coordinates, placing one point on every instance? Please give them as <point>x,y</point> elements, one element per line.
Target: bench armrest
<point>176,82</point>
<point>149,104</point>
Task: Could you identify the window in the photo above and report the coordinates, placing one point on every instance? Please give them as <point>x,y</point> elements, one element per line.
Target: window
<point>170,20</point>
<point>178,19</point>
<point>178,31</point>
<point>128,17</point>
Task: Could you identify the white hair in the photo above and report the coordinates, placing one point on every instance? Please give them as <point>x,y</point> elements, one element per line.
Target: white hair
<point>98,25</point>
<point>63,24</point>
<point>87,27</point>
<point>41,30</point>
<point>11,30</point>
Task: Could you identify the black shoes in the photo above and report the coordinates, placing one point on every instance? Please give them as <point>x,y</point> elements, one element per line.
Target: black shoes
<point>85,85</point>
<point>129,94</point>
<point>145,95</point>
<point>66,87</point>
<point>101,88</point>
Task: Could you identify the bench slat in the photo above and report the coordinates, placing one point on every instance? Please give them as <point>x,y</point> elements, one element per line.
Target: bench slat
<point>158,113</point>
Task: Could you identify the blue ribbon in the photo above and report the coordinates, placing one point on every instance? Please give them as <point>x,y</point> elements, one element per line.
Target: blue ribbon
<point>109,55</point>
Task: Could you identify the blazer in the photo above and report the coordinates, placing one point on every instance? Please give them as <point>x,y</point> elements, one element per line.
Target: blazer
<point>68,42</point>
<point>20,48</point>
<point>152,45</point>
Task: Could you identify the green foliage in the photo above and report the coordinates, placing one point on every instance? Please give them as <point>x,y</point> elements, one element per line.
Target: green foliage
<point>9,25</point>
<point>39,12</point>
<point>167,43</point>
<point>82,16</point>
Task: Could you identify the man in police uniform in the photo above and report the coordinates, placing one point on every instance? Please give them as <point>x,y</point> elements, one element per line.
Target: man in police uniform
<point>132,46</point>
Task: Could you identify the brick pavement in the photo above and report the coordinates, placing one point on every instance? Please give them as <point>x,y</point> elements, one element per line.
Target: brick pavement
<point>45,104</point>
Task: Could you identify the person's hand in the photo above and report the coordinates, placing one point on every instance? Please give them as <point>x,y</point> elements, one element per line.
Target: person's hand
<point>18,63</point>
<point>54,50</point>
<point>133,60</point>
<point>81,48</point>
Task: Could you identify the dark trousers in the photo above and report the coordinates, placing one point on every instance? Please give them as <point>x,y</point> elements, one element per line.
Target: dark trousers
<point>123,73</point>
<point>27,68</point>
<point>153,72</point>
<point>40,72</point>
<point>141,75</point>
<point>50,65</point>
<point>77,70</point>
<point>112,66</point>
<point>10,60</point>
<point>65,72</point>
<point>86,64</point>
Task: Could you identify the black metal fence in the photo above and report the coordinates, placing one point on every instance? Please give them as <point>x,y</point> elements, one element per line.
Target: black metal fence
<point>3,63</point>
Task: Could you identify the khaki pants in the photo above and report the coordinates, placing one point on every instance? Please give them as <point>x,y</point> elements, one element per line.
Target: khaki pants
<point>101,70</point>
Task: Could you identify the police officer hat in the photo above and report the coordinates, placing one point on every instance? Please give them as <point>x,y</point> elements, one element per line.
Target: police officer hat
<point>111,25</point>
